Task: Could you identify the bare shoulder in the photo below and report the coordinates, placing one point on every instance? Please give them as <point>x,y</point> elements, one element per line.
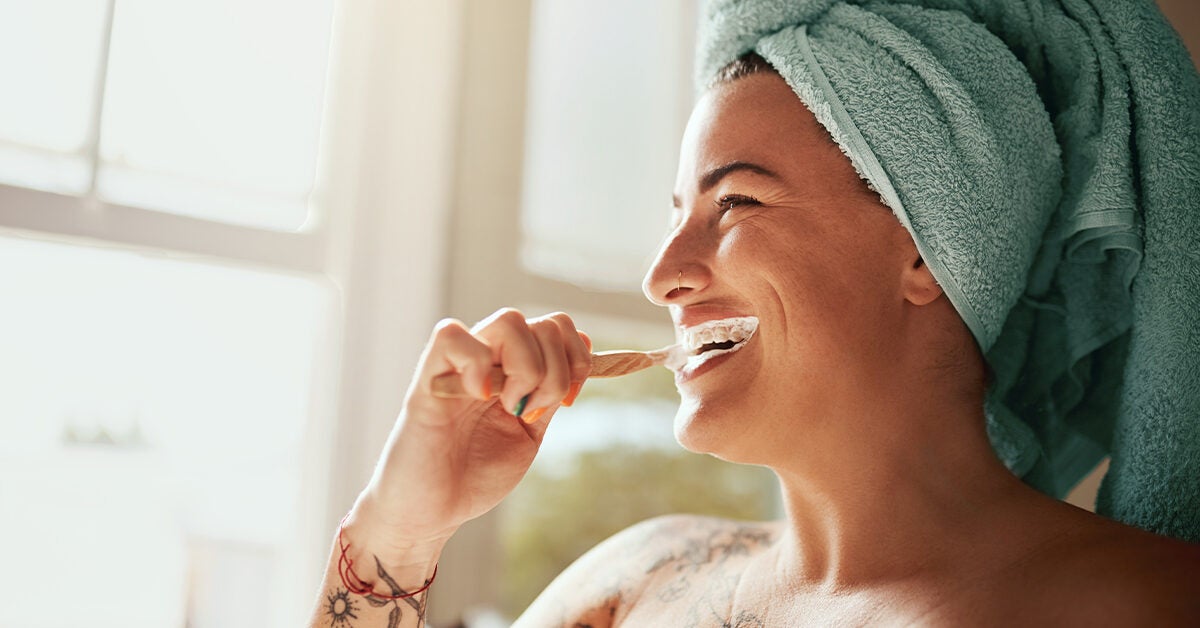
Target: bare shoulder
<point>601,586</point>
<point>1125,576</point>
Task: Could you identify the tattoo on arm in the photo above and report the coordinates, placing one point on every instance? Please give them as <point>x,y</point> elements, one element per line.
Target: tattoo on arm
<point>340,608</point>
<point>341,605</point>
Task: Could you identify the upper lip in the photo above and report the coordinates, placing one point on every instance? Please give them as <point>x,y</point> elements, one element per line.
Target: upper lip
<point>693,315</point>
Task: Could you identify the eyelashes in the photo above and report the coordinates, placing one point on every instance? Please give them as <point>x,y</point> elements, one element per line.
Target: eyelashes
<point>723,205</point>
<point>730,202</point>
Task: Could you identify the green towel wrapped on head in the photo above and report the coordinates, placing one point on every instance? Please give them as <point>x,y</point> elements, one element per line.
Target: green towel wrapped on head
<point>1045,157</point>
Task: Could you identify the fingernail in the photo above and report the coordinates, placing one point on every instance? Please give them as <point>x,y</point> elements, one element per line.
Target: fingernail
<point>572,393</point>
<point>520,406</point>
<point>534,415</point>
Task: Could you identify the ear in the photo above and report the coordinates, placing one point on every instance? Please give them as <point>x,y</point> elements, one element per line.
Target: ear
<point>918,284</point>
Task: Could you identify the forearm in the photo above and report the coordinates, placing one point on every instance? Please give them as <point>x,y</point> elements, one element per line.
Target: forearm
<point>448,460</point>
<point>344,601</point>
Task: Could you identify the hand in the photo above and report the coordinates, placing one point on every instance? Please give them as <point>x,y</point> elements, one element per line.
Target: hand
<point>450,460</point>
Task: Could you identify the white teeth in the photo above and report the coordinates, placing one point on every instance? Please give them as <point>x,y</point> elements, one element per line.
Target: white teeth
<point>724,330</point>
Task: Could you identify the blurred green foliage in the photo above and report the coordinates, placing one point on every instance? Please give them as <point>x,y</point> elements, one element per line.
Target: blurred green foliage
<point>557,514</point>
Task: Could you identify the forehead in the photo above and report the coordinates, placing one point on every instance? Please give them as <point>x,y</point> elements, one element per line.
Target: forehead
<point>759,119</point>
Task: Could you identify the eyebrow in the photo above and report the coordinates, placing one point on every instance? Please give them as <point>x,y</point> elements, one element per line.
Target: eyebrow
<point>714,176</point>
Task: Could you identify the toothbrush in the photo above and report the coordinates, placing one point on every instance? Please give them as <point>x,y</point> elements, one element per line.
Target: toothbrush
<point>604,364</point>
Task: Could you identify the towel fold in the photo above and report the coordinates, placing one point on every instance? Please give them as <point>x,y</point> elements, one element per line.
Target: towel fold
<point>1044,155</point>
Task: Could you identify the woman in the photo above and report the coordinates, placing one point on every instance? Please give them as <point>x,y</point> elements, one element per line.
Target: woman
<point>863,387</point>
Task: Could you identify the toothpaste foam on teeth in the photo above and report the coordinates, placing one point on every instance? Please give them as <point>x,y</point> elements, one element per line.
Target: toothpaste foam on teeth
<point>738,330</point>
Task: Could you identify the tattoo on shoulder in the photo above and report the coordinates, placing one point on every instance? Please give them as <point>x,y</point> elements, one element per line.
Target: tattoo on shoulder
<point>718,546</point>
<point>744,619</point>
<point>707,550</point>
<point>341,605</point>
<point>602,614</point>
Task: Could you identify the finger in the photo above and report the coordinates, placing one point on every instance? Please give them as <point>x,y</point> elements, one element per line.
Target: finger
<point>516,350</point>
<point>557,375</point>
<point>452,348</point>
<point>579,353</point>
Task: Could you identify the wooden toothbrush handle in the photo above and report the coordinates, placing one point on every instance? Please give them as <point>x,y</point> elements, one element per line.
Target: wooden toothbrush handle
<point>618,363</point>
<point>604,364</point>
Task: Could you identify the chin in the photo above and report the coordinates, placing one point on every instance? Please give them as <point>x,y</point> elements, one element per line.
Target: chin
<point>711,429</point>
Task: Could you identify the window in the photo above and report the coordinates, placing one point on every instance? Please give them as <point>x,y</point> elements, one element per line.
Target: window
<point>609,92</point>
<point>197,274</point>
<point>47,113</point>
<point>167,105</point>
<point>158,413</point>
<point>153,429</point>
<point>209,116</point>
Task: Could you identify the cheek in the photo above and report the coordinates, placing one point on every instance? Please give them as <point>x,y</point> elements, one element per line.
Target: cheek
<point>796,266</point>
<point>819,281</point>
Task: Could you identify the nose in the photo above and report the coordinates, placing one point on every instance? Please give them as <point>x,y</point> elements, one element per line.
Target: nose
<point>682,268</point>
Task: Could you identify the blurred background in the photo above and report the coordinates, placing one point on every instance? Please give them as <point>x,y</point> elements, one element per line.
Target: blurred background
<point>226,230</point>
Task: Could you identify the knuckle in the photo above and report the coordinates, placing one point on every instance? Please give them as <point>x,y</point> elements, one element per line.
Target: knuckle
<point>561,318</point>
<point>548,331</point>
<point>448,327</point>
<point>510,315</point>
<point>503,317</point>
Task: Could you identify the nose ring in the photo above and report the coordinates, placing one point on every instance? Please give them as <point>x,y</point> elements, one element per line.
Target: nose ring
<point>679,281</point>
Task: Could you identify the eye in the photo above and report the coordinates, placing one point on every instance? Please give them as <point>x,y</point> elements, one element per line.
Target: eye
<point>733,201</point>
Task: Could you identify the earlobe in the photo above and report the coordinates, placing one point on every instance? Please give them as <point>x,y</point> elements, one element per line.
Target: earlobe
<point>920,287</point>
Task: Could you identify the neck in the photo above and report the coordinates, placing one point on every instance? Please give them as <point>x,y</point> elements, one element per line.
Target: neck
<point>891,503</point>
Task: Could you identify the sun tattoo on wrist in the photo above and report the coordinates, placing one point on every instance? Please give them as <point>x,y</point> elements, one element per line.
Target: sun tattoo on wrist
<point>340,608</point>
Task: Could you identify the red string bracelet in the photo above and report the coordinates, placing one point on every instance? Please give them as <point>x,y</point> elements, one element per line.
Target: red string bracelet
<point>354,584</point>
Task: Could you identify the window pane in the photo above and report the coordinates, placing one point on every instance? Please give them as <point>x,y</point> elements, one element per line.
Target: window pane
<point>151,431</point>
<point>213,109</point>
<point>609,94</point>
<point>48,67</point>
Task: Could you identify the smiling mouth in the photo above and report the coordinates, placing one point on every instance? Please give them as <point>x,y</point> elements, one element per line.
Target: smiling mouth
<point>717,337</point>
<point>717,346</point>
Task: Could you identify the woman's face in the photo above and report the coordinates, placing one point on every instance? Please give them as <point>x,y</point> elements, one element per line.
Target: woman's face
<point>771,223</point>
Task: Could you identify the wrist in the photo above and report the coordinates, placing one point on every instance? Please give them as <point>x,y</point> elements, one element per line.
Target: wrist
<point>375,553</point>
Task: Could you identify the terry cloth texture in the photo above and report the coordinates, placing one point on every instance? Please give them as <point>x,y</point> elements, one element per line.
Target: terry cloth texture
<point>1045,157</point>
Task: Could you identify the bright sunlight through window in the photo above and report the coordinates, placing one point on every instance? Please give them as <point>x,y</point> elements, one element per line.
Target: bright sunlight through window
<point>205,109</point>
<point>151,437</point>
